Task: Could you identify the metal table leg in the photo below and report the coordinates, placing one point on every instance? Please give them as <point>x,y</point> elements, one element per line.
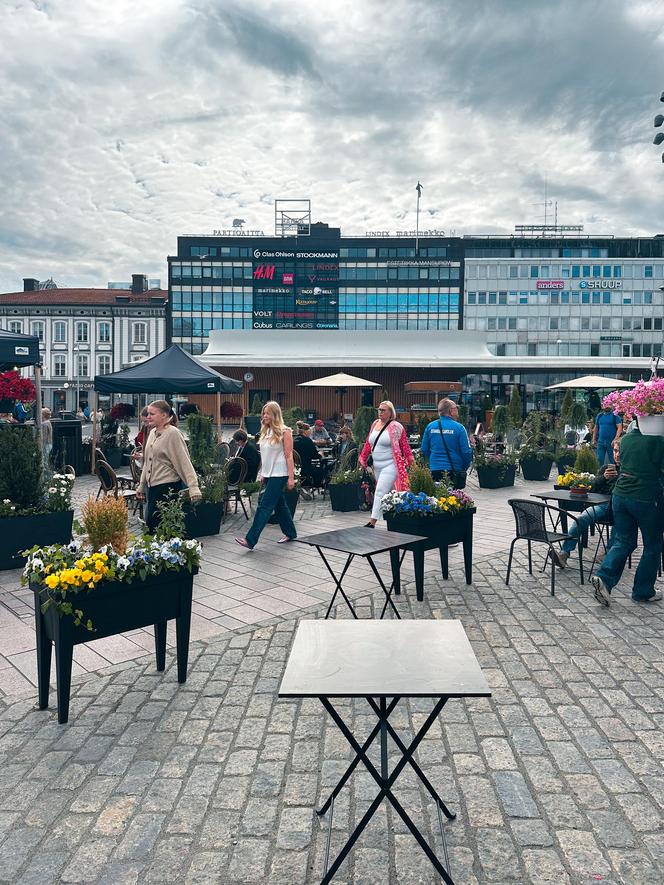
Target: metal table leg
<point>337,581</point>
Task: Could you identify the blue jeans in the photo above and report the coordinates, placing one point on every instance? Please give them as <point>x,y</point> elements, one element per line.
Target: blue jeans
<point>272,500</point>
<point>589,517</point>
<point>604,449</point>
<point>629,517</point>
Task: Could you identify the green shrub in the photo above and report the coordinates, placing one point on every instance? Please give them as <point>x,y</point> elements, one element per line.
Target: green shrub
<point>202,450</point>
<point>565,408</point>
<point>463,414</point>
<point>501,420</point>
<point>578,415</point>
<point>586,461</point>
<point>515,409</point>
<point>20,467</point>
<point>256,405</point>
<point>421,480</point>
<point>292,416</point>
<point>423,422</point>
<point>364,418</point>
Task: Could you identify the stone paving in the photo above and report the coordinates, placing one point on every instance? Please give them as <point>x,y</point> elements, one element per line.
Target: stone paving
<point>557,778</point>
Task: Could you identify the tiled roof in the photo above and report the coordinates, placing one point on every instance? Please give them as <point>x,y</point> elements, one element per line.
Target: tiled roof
<point>57,297</point>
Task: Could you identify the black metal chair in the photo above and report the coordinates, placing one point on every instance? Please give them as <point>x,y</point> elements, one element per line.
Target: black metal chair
<point>112,484</point>
<point>235,471</point>
<point>531,526</point>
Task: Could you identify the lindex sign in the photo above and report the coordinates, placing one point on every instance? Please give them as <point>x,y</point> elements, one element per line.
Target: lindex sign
<point>295,289</point>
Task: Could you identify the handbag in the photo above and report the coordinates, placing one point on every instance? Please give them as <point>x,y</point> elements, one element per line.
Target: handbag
<point>370,458</point>
<point>458,477</point>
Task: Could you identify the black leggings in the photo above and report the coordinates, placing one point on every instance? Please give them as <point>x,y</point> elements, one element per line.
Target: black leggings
<point>155,494</point>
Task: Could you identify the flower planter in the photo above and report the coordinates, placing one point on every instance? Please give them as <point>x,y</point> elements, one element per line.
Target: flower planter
<point>651,425</point>
<point>496,477</point>
<point>565,463</point>
<point>345,497</point>
<point>534,469</point>
<point>113,608</point>
<point>19,532</point>
<point>292,497</point>
<point>440,530</point>
<point>204,519</point>
<point>579,493</point>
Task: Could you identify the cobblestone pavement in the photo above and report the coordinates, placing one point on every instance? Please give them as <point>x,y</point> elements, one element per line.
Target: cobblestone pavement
<point>557,778</point>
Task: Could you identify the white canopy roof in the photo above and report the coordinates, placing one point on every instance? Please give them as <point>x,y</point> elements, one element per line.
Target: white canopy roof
<point>598,382</point>
<point>341,379</point>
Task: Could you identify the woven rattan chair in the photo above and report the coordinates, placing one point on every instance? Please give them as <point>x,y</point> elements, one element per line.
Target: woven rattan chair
<point>111,484</point>
<point>235,471</point>
<point>531,526</point>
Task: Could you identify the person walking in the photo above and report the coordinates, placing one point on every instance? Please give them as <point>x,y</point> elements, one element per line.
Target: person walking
<point>637,506</point>
<point>166,462</point>
<point>277,475</point>
<point>387,445</point>
<point>445,444</point>
<point>607,430</point>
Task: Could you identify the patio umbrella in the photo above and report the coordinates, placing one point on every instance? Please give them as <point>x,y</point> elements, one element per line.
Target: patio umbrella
<point>342,382</point>
<point>591,382</point>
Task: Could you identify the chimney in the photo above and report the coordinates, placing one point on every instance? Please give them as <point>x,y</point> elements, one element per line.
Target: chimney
<point>30,285</point>
<point>139,283</point>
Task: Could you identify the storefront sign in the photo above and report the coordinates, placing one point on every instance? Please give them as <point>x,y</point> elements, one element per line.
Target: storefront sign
<point>288,279</point>
<point>421,262</point>
<point>237,232</point>
<point>550,284</point>
<point>600,284</point>
<point>431,232</point>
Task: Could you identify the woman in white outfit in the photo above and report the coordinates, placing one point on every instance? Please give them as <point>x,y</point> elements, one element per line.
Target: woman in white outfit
<point>387,444</point>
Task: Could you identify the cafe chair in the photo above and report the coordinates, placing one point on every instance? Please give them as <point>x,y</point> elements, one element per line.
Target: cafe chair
<point>531,526</point>
<point>235,471</point>
<point>112,484</point>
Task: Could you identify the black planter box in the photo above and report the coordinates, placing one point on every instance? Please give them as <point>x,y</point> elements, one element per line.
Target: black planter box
<point>441,530</point>
<point>292,497</point>
<point>204,519</point>
<point>252,424</point>
<point>21,532</point>
<point>7,406</point>
<point>345,497</point>
<point>565,463</point>
<point>113,458</point>
<point>536,470</point>
<point>113,607</point>
<point>496,478</point>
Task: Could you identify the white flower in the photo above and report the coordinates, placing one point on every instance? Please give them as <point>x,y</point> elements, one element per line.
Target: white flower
<point>123,562</point>
<point>6,500</point>
<point>52,491</point>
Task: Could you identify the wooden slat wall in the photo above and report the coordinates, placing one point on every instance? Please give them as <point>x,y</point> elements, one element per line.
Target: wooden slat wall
<point>282,384</point>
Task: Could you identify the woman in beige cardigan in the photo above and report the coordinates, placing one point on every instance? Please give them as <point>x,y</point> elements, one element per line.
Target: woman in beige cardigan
<point>166,462</point>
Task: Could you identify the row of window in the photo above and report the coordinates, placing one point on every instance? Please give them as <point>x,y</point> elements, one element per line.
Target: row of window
<point>564,271</point>
<point>359,272</point>
<point>229,271</point>
<point>545,296</point>
<point>565,323</point>
<point>542,348</point>
<point>537,252</point>
<point>81,365</point>
<point>221,251</point>
<point>417,302</point>
<point>401,322</point>
<point>81,331</point>
<point>394,252</point>
<point>209,300</point>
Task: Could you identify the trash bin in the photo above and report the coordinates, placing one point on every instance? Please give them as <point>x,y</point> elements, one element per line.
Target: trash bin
<point>67,445</point>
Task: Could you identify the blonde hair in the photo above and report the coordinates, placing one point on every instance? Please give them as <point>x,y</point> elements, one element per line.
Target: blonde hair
<point>165,407</point>
<point>277,427</point>
<point>393,411</point>
<point>303,428</point>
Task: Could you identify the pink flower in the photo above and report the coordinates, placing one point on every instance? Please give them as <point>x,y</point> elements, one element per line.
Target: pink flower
<point>647,398</point>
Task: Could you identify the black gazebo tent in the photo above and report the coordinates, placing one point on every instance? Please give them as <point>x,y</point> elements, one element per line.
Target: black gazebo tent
<point>18,350</point>
<point>172,370</point>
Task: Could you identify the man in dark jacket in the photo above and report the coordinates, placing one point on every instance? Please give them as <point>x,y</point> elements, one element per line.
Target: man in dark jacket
<point>637,506</point>
<point>247,450</point>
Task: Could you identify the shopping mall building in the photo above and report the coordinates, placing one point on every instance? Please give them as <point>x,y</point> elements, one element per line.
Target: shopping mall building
<point>489,311</point>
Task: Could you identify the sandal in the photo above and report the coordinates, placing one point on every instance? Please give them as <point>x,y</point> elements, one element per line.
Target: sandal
<point>285,540</point>
<point>244,543</point>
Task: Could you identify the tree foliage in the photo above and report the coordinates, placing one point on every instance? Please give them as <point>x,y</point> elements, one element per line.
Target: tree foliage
<point>20,467</point>
<point>364,418</point>
<point>201,442</point>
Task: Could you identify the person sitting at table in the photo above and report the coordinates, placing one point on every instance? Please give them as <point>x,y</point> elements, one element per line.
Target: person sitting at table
<point>246,449</point>
<point>320,436</point>
<point>307,451</point>
<point>345,441</point>
<point>603,484</point>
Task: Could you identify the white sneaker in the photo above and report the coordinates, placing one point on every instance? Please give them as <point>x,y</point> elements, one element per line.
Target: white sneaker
<point>602,593</point>
<point>657,595</point>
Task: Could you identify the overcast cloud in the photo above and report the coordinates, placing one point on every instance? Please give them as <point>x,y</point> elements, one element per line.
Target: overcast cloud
<point>125,124</point>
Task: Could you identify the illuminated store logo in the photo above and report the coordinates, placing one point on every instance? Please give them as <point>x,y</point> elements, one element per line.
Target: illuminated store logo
<point>288,279</point>
<point>600,284</point>
<point>550,284</point>
<point>264,272</point>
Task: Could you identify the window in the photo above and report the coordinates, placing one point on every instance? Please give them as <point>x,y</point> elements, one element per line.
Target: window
<point>38,329</point>
<point>82,365</point>
<point>103,334</point>
<point>60,332</point>
<point>139,333</point>
<point>104,364</point>
<point>82,333</point>
<point>59,365</point>
<point>647,270</point>
<point>16,326</point>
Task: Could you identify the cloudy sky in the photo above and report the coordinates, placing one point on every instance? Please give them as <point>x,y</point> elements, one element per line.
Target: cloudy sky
<point>125,123</point>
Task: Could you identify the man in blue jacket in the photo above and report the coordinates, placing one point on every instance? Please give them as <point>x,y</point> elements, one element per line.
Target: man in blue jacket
<point>451,450</point>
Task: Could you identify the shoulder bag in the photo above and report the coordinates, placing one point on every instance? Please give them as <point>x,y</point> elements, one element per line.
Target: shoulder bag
<point>457,477</point>
<point>384,427</point>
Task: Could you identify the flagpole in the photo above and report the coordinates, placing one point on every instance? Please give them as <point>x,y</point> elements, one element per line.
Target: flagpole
<point>417,219</point>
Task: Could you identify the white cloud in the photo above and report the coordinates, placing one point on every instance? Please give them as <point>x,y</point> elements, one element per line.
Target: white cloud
<point>126,124</point>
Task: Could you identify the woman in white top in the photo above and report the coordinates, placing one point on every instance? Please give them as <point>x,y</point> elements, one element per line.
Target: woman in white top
<point>276,445</point>
<point>387,444</point>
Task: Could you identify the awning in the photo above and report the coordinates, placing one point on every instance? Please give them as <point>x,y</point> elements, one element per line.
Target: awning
<point>18,350</point>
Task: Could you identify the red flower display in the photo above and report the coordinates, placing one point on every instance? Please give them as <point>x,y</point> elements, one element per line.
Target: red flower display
<point>13,386</point>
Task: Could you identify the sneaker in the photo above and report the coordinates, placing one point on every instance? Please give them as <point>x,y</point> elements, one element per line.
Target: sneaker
<point>657,595</point>
<point>601,592</point>
<point>559,557</point>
